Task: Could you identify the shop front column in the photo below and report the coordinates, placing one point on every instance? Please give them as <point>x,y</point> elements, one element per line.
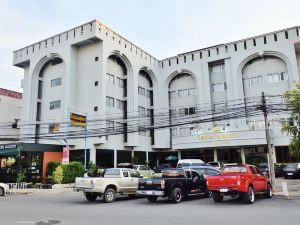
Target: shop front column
<point>179,155</point>
<point>215,155</point>
<point>243,157</point>
<point>147,156</point>
<point>274,154</point>
<point>92,154</point>
<point>115,159</point>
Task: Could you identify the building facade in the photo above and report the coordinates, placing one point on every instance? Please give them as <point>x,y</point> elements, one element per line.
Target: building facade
<point>199,104</point>
<point>10,108</point>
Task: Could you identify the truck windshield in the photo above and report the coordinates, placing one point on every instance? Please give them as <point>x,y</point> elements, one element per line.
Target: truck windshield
<point>235,169</point>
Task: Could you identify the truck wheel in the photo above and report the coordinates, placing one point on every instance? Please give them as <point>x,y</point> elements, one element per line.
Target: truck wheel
<point>208,193</point>
<point>269,192</point>
<point>152,198</point>
<point>90,197</point>
<point>2,191</point>
<point>109,195</point>
<point>249,197</point>
<point>217,197</point>
<point>176,195</point>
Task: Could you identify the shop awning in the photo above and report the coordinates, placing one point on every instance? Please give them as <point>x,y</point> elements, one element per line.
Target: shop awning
<point>13,149</point>
<point>13,152</point>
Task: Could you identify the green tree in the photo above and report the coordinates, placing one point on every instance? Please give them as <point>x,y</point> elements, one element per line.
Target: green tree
<point>58,175</point>
<point>292,99</point>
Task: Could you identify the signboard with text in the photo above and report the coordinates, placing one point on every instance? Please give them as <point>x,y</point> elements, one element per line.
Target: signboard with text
<point>66,154</point>
<point>77,120</point>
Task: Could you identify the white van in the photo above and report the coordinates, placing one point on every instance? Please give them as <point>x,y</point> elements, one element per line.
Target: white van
<point>190,162</point>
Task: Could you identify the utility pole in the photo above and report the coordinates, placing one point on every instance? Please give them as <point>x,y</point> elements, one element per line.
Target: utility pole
<point>264,109</point>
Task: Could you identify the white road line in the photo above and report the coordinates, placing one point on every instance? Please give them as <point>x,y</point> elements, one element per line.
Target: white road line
<point>26,222</point>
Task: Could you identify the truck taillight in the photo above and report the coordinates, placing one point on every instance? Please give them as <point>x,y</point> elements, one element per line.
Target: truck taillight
<point>162,184</point>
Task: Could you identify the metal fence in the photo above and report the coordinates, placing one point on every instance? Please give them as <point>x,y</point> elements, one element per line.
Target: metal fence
<point>17,188</point>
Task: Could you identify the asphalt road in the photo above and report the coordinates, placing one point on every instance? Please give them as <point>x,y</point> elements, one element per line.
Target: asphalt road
<point>73,209</point>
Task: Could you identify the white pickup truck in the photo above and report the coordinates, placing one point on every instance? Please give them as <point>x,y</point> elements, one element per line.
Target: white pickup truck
<point>114,181</point>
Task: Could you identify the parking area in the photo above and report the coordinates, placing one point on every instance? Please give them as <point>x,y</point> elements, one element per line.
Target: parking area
<point>71,208</point>
<point>293,186</point>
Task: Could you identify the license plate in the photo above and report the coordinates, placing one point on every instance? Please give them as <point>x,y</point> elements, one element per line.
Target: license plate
<point>223,190</point>
<point>290,174</point>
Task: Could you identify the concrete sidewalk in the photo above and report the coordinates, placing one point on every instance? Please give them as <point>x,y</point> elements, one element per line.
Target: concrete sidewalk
<point>293,186</point>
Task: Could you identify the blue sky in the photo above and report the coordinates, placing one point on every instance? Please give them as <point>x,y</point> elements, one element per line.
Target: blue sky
<point>161,27</point>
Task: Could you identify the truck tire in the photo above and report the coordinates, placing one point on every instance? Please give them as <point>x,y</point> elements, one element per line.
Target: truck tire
<point>207,193</point>
<point>269,192</point>
<point>176,195</point>
<point>217,197</point>
<point>91,197</point>
<point>249,197</point>
<point>109,195</point>
<point>152,198</point>
<point>2,191</point>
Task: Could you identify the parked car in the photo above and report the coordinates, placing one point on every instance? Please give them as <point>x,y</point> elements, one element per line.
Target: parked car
<point>162,167</point>
<point>189,162</point>
<point>242,181</point>
<point>174,185</point>
<point>278,169</point>
<point>3,189</point>
<point>143,170</point>
<point>116,180</point>
<point>291,170</point>
<point>217,165</point>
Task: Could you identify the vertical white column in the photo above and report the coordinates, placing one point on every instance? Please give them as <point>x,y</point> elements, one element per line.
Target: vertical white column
<point>179,155</point>
<point>215,155</point>
<point>147,155</point>
<point>93,154</point>
<point>274,154</point>
<point>243,157</point>
<point>115,158</point>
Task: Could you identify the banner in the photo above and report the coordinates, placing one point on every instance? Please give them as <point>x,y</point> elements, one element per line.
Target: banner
<point>66,154</point>
<point>77,120</point>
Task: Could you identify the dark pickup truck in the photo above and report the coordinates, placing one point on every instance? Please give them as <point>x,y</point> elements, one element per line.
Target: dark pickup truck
<point>174,185</point>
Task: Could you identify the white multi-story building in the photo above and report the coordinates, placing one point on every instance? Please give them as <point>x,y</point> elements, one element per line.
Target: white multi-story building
<point>199,104</point>
<point>10,114</point>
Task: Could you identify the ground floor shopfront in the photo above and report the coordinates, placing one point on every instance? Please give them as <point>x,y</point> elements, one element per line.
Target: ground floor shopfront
<point>27,158</point>
<point>106,158</point>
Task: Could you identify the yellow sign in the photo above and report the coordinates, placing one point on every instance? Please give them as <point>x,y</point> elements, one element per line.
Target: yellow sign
<point>77,120</point>
<point>218,143</point>
<point>218,136</point>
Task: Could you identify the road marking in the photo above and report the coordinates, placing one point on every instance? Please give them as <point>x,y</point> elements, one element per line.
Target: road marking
<point>26,222</point>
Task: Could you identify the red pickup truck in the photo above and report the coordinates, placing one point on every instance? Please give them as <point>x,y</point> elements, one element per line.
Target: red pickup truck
<point>243,181</point>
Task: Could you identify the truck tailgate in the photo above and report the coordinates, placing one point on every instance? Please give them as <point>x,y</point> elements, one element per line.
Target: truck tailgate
<point>83,182</point>
<point>150,184</point>
<point>223,181</point>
